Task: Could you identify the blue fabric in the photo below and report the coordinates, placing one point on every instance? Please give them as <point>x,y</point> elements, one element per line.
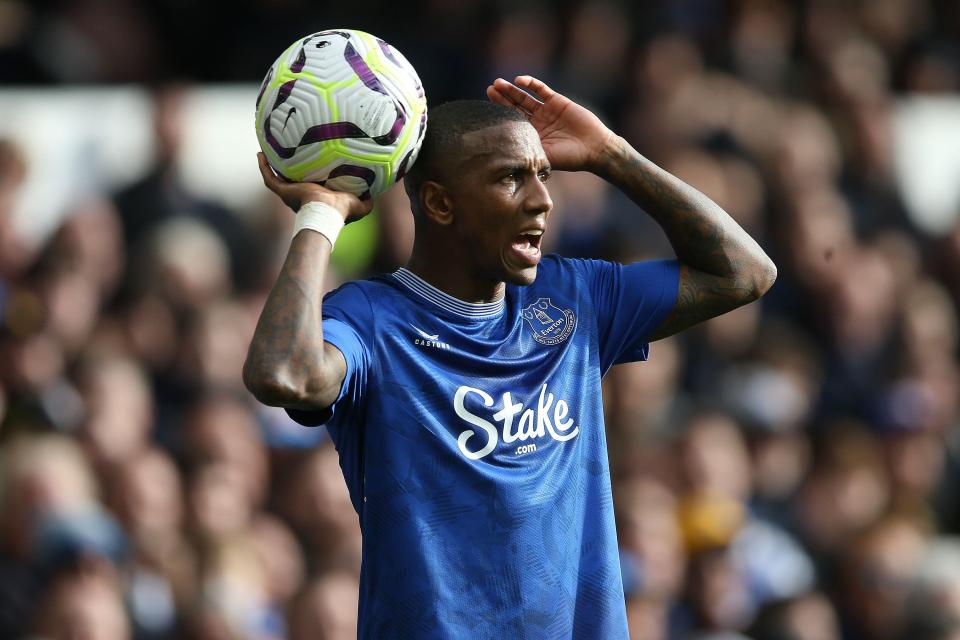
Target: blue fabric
<point>475,454</point>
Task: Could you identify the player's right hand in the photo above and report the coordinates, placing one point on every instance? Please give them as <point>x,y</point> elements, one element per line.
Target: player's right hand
<point>297,194</point>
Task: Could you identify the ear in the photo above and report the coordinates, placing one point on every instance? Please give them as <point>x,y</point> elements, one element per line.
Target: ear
<point>436,202</point>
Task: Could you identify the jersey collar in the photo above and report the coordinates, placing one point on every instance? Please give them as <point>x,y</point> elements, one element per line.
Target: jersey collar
<point>424,289</point>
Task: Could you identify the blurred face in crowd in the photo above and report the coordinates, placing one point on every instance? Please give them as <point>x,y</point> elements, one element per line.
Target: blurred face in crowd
<point>223,429</point>
<point>648,618</point>
<point>15,251</point>
<point>84,607</point>
<point>930,322</point>
<point>217,345</point>
<point>809,616</point>
<point>219,499</point>
<point>73,306</point>
<point>807,154</point>
<point>30,363</point>
<point>812,617</point>
<point>41,475</point>
<point>648,528</point>
<point>149,494</point>
<point>187,262</point>
<point>865,302</point>
<point>119,405</point>
<point>846,491</point>
<point>326,610</point>
<point>281,557</point>
<point>637,395</point>
<point>234,586</point>
<point>327,500</point>
<point>714,457</point>
<point>719,591</point>
<point>821,238</point>
<point>879,568</point>
<point>317,503</point>
<point>91,243</point>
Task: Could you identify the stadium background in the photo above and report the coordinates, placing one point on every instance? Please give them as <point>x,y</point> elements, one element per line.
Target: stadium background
<point>788,471</point>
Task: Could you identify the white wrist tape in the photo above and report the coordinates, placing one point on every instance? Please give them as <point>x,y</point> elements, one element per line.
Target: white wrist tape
<point>319,217</point>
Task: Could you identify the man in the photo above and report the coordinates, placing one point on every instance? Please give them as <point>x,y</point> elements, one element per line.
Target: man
<point>463,392</point>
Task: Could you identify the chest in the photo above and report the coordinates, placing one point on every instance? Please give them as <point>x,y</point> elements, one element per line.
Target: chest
<point>508,386</point>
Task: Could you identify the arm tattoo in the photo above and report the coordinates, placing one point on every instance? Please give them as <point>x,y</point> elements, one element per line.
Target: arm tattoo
<point>722,267</point>
<point>285,363</point>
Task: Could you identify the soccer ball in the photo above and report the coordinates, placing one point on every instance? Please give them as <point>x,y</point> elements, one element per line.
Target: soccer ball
<point>344,109</point>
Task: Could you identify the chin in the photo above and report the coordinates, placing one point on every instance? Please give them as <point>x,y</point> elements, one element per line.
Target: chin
<point>523,277</point>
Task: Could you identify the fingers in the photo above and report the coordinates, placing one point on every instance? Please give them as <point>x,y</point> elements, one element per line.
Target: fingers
<point>499,98</point>
<point>366,206</point>
<point>507,94</point>
<point>538,87</point>
<point>270,179</point>
<point>295,194</point>
<point>496,96</point>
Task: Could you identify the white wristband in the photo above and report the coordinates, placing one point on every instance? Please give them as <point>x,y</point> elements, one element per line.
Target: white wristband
<point>319,217</point>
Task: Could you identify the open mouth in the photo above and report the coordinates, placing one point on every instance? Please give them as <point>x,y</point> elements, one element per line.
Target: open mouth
<point>527,246</point>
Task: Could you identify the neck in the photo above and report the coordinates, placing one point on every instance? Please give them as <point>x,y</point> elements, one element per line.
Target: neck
<point>442,265</point>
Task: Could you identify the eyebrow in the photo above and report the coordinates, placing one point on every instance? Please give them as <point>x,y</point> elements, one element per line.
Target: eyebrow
<point>516,166</point>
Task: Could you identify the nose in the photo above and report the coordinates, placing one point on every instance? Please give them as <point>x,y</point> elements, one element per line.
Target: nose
<point>538,198</point>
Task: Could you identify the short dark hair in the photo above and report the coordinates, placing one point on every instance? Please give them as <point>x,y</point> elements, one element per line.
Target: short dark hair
<point>446,125</point>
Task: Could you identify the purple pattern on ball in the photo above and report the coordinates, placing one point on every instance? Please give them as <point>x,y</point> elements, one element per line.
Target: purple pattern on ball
<point>405,163</point>
<point>263,87</point>
<point>364,173</point>
<point>301,60</point>
<point>371,81</point>
<point>388,52</point>
<point>316,133</point>
<point>283,93</point>
<point>359,66</point>
<point>402,171</point>
<point>391,136</point>
<point>331,131</point>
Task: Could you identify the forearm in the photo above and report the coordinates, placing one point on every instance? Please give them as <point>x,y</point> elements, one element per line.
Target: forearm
<point>702,234</point>
<point>286,363</point>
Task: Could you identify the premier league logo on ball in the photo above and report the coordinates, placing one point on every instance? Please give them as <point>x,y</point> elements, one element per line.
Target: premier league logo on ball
<point>550,324</point>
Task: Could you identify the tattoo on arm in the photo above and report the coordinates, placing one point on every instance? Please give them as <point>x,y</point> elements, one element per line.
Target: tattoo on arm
<point>288,364</point>
<point>700,297</point>
<point>722,267</point>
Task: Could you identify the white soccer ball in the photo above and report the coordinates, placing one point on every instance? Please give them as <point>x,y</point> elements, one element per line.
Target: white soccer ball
<point>344,109</point>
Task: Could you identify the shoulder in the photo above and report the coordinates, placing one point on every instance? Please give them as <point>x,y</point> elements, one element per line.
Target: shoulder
<point>585,270</point>
<point>366,290</point>
<point>363,302</point>
<point>554,266</point>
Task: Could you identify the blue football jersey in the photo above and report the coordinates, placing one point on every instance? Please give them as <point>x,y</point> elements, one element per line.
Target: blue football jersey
<point>471,438</point>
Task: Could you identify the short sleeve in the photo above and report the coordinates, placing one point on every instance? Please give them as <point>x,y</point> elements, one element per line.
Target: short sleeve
<point>630,302</point>
<point>342,317</point>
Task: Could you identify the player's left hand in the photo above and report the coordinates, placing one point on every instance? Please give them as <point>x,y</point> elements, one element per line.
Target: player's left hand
<point>572,136</point>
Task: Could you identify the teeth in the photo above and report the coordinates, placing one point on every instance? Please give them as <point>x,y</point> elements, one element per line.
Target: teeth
<point>535,232</point>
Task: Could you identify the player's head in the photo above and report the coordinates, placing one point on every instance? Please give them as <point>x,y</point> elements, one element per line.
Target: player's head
<point>442,143</point>
<point>478,181</point>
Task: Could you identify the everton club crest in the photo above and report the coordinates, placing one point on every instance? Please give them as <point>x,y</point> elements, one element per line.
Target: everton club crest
<point>550,324</point>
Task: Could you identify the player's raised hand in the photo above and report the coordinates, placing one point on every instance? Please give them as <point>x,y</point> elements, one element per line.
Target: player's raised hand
<point>297,194</point>
<point>572,136</point>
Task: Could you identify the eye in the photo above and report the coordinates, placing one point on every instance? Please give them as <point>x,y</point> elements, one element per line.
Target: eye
<point>511,178</point>
<point>543,175</point>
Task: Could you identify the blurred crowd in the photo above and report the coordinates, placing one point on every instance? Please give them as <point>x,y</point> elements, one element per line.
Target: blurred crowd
<point>788,471</point>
